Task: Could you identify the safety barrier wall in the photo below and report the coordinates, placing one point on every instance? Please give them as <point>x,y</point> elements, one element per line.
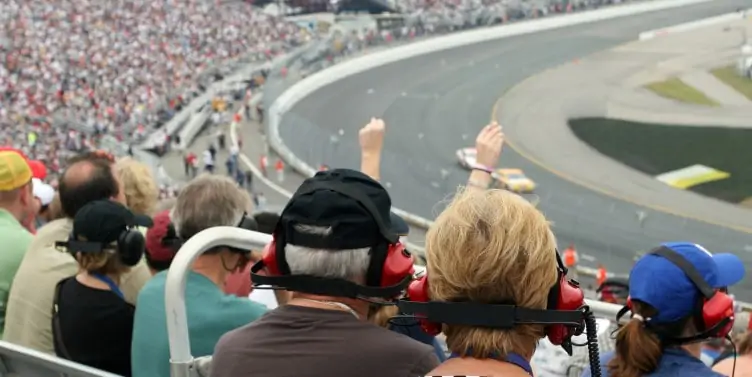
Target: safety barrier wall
<point>693,25</point>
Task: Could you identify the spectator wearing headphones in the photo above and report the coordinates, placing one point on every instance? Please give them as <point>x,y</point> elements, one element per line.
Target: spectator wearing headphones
<point>239,283</point>
<point>16,204</point>
<point>675,304</point>
<point>207,201</point>
<point>88,178</point>
<point>338,227</point>
<point>92,322</point>
<point>491,246</point>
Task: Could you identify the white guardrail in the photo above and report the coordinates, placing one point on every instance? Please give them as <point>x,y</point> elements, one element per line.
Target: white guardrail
<point>351,67</point>
<point>728,17</point>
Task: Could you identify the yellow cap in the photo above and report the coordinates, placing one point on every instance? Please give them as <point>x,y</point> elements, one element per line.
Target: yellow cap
<point>14,171</point>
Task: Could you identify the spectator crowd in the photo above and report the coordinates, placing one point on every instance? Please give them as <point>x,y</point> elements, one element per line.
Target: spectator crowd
<point>73,71</point>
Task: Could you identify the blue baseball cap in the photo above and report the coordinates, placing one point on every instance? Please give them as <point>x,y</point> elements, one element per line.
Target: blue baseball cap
<point>659,283</point>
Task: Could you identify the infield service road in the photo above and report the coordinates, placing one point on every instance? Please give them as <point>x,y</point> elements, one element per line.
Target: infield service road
<point>434,104</point>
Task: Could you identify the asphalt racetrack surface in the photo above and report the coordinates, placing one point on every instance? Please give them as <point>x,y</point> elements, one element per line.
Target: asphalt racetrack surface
<point>434,104</point>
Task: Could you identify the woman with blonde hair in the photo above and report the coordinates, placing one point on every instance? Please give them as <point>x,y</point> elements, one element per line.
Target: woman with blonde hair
<point>677,300</point>
<point>491,247</point>
<point>140,187</point>
<point>92,322</point>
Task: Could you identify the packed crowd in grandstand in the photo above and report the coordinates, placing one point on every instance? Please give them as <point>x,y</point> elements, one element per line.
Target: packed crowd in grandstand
<point>89,235</point>
<point>73,70</point>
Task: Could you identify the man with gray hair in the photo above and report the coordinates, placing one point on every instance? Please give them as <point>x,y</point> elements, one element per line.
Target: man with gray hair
<point>336,249</point>
<point>206,202</point>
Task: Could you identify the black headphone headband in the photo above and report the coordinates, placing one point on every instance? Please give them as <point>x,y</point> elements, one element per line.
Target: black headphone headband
<point>489,315</point>
<point>688,268</point>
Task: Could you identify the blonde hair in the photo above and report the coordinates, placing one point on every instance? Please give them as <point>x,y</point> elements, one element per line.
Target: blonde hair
<point>141,191</point>
<point>491,247</point>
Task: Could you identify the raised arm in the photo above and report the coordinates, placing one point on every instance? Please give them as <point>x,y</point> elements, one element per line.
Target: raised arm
<point>488,148</point>
<point>371,139</point>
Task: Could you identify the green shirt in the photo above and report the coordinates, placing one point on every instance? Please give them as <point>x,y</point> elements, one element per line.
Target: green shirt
<point>15,240</point>
<point>210,313</point>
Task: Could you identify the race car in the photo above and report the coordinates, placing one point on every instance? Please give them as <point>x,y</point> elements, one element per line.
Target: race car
<point>466,157</point>
<point>513,180</point>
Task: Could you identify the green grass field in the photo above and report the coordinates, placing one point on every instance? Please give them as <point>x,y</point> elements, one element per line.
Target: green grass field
<point>677,90</point>
<point>656,148</point>
<point>729,76</point>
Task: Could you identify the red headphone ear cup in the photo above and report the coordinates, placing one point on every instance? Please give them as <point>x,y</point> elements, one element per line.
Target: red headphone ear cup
<point>716,309</point>
<point>570,297</point>
<point>397,266</point>
<point>270,259</point>
<point>417,291</point>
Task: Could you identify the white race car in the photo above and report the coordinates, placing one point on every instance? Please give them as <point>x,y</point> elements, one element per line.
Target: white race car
<point>466,157</point>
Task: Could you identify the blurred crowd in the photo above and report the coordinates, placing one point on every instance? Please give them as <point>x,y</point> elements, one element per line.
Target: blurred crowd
<point>74,70</point>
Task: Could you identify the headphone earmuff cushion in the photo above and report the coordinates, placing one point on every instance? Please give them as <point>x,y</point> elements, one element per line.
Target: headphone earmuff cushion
<point>131,246</point>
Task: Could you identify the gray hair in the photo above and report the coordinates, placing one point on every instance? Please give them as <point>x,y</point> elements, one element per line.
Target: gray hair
<point>209,201</point>
<point>351,264</point>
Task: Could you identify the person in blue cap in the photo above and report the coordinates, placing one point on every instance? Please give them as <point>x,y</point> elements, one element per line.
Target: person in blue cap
<point>677,301</point>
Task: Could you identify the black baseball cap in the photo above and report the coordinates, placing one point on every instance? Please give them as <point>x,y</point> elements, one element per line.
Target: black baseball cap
<point>103,221</point>
<point>354,206</point>
<point>399,225</point>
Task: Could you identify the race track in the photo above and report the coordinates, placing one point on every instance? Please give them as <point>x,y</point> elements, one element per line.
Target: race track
<point>435,104</point>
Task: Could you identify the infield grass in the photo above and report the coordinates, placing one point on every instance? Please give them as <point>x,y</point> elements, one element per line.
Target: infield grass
<point>731,78</point>
<point>678,90</point>
<point>659,148</point>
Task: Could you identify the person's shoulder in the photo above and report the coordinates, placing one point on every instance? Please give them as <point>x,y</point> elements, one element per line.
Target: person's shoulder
<point>154,288</point>
<point>379,336</point>
<point>242,306</point>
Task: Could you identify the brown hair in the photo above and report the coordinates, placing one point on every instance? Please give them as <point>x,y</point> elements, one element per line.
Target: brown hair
<point>382,316</point>
<point>638,350</point>
<point>55,209</point>
<point>101,263</point>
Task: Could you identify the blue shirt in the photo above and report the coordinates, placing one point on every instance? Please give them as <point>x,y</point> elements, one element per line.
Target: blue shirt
<point>211,313</point>
<point>412,329</point>
<point>675,362</point>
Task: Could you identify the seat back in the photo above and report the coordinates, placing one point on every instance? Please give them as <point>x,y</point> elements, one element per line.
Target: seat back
<point>17,361</point>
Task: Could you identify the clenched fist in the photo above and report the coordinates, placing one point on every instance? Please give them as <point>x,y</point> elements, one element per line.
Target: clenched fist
<point>372,137</point>
<point>488,145</point>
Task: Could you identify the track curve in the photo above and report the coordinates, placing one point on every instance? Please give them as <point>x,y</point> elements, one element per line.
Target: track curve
<point>436,103</point>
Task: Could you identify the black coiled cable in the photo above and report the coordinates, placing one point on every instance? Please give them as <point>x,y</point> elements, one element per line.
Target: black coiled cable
<point>591,332</point>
